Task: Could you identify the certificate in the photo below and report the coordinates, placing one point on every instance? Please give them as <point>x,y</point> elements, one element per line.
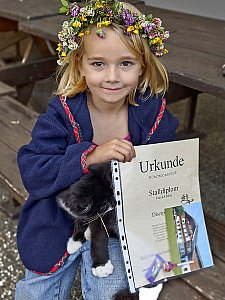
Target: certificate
<point>159,212</point>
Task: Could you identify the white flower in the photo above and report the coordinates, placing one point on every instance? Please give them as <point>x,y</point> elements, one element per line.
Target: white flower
<point>90,12</point>
<point>166,34</point>
<point>67,33</point>
<point>72,45</point>
<point>65,25</point>
<point>59,62</point>
<point>144,24</point>
<point>60,36</point>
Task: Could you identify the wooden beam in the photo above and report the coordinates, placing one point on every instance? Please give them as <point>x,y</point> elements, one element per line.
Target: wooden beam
<point>16,123</point>
<point>177,92</point>
<point>8,25</point>
<point>13,39</point>
<point>209,282</point>
<point>216,231</point>
<point>20,74</point>
<point>7,90</point>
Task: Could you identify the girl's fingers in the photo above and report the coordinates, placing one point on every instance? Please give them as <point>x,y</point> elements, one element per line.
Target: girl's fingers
<point>118,149</point>
<point>124,148</point>
<point>130,148</point>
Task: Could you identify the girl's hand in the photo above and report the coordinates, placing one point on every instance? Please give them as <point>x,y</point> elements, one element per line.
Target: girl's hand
<point>117,149</point>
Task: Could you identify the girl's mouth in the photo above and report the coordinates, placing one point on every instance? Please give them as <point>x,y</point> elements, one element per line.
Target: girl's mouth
<point>112,89</point>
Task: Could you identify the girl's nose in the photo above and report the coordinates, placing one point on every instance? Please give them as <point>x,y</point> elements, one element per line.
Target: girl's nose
<point>112,74</point>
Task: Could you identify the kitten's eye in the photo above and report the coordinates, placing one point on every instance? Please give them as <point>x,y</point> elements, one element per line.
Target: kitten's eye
<point>87,208</point>
<point>80,207</point>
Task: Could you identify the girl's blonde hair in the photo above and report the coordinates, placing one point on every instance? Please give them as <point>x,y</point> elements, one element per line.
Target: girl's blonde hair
<point>154,75</point>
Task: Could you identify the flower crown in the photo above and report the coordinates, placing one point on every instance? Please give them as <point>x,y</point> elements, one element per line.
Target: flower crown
<point>103,13</point>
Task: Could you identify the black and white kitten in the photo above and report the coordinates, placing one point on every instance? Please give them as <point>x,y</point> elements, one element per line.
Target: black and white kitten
<point>90,201</point>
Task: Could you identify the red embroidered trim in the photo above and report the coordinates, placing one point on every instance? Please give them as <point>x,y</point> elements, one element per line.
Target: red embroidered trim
<point>76,133</point>
<point>83,158</point>
<point>78,138</point>
<point>71,118</point>
<point>159,118</point>
<point>56,266</point>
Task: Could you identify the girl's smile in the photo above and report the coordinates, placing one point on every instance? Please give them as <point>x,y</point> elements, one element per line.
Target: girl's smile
<point>112,89</point>
<point>111,70</point>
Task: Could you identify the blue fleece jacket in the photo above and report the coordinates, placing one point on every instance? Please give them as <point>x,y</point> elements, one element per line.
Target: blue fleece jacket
<point>52,161</point>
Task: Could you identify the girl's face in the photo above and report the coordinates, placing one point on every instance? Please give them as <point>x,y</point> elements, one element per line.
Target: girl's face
<point>110,69</point>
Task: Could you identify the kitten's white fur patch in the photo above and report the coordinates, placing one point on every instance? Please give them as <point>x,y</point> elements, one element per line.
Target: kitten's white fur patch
<point>103,271</point>
<point>87,234</point>
<point>73,246</point>
<point>150,293</point>
<point>61,203</point>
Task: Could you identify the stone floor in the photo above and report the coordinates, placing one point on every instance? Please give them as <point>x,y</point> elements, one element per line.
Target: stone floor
<point>209,125</point>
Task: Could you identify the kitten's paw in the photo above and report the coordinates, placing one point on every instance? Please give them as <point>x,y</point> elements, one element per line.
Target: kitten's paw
<point>87,234</point>
<point>103,271</point>
<point>73,246</point>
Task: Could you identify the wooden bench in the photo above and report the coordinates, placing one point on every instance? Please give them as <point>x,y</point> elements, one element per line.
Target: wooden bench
<point>16,122</point>
<point>33,49</point>
<point>5,89</point>
<point>204,284</point>
<point>196,56</point>
<point>201,285</point>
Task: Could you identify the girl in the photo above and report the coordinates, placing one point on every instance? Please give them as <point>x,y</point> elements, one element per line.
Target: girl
<point>108,100</point>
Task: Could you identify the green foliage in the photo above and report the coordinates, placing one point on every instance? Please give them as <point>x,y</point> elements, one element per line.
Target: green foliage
<point>65,8</point>
<point>64,3</point>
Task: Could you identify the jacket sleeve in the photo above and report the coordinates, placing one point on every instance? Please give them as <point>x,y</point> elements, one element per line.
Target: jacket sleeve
<point>52,159</point>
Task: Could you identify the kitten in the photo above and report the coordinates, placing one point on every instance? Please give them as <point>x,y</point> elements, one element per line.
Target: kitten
<point>91,202</point>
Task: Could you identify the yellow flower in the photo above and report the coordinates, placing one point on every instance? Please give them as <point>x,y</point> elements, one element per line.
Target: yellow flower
<point>59,47</point>
<point>130,28</point>
<point>97,4</point>
<point>138,26</point>
<point>165,51</point>
<point>83,18</point>
<point>87,32</point>
<point>99,24</point>
<point>136,31</point>
<point>156,41</point>
<point>106,23</point>
<point>80,34</point>
<point>76,24</point>
<point>63,54</point>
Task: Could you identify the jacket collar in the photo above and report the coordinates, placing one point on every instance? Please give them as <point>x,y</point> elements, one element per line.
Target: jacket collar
<point>140,118</point>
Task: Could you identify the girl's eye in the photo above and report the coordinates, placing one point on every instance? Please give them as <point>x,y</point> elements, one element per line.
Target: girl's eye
<point>97,64</point>
<point>126,63</point>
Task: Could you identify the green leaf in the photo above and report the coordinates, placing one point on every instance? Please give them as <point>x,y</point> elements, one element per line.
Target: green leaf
<point>63,10</point>
<point>64,3</point>
<point>149,17</point>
